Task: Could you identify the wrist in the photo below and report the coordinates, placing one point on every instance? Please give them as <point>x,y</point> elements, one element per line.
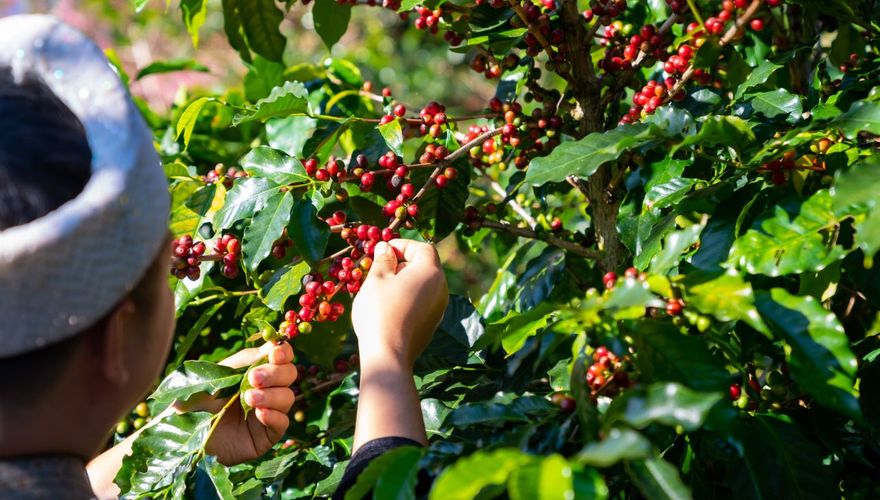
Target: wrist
<point>375,358</point>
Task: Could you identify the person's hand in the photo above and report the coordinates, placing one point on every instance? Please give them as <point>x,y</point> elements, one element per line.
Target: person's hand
<point>400,303</point>
<point>235,439</point>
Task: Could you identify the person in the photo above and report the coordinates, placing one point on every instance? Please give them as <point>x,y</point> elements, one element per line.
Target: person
<point>87,314</point>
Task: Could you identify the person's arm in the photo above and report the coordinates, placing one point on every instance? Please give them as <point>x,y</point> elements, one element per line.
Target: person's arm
<point>234,440</point>
<point>395,314</point>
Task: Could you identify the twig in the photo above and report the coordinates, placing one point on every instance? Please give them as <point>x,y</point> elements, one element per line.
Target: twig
<point>458,153</point>
<point>525,216</point>
<point>580,185</point>
<point>547,238</point>
<point>551,53</point>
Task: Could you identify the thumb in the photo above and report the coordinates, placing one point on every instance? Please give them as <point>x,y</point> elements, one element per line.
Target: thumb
<point>247,357</point>
<point>384,261</point>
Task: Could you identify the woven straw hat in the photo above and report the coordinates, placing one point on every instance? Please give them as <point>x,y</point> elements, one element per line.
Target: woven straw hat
<point>62,272</point>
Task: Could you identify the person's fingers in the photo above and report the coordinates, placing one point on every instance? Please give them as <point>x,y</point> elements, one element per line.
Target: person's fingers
<point>275,398</point>
<point>416,251</point>
<point>281,354</point>
<point>384,261</point>
<point>275,423</point>
<point>270,375</point>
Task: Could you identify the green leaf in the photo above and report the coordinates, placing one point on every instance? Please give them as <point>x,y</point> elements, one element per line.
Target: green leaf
<point>779,460</point>
<point>548,478</point>
<point>233,27</point>
<point>195,377</point>
<point>782,245</point>
<point>819,355</point>
<point>194,14</point>
<point>582,158</point>
<point>589,484</point>
<point>187,121</point>
<point>244,199</point>
<point>245,385</point>
<point>391,475</point>
<point>488,412</point>
<point>778,102</point>
<point>664,354</point>
<point>163,456</point>
<point>346,71</point>
<point>160,67</point>
<point>666,403</point>
<point>862,116</point>
<point>585,407</point>
<point>285,282</point>
<point>458,335</point>
<point>756,78</point>
<point>444,208</point>
<point>292,98</point>
<point>200,208</point>
<point>708,54</point>
<point>261,21</point>
<point>275,165</point>
<point>657,479</point>
<point>434,413</point>
<point>854,192</point>
<point>726,296</point>
<point>185,343</point>
<point>618,445</point>
<point>290,134</point>
<point>219,475</point>
<point>331,20</point>
<point>327,486</point>
<point>309,234</point>
<point>265,229</point>
<point>721,130</point>
<point>669,193</point>
<point>674,245</point>
<point>513,329</point>
<point>469,475</point>
<point>393,135</point>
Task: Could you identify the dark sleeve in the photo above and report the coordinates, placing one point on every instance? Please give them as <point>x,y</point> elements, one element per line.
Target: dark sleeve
<point>362,458</point>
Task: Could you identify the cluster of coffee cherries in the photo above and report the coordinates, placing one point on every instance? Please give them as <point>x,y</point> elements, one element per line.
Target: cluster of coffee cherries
<point>776,391</point>
<point>779,168</point>
<point>487,65</point>
<point>434,119</point>
<point>228,175</point>
<point>428,19</point>
<point>334,169</point>
<point>229,247</point>
<point>315,305</point>
<point>138,418</point>
<point>651,97</point>
<point>610,278</point>
<point>604,10</point>
<point>186,257</point>
<point>608,375</point>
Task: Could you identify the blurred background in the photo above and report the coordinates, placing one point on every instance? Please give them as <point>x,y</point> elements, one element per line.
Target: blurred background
<point>418,66</point>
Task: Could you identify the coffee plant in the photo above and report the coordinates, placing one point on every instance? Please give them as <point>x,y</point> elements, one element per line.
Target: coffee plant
<point>683,199</point>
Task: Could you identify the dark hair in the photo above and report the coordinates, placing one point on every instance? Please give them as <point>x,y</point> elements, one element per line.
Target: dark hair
<point>45,159</point>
